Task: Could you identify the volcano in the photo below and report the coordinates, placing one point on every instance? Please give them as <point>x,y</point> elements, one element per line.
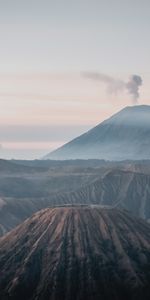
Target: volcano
<point>124,136</point>
<point>76,253</point>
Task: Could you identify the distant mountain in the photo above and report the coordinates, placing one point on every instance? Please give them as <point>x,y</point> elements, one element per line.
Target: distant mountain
<point>12,167</point>
<point>126,135</point>
<point>76,253</point>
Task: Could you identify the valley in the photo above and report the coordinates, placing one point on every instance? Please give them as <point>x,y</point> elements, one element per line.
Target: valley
<point>26,187</point>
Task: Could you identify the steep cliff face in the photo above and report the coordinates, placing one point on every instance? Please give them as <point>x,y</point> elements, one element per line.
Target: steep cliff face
<point>76,253</point>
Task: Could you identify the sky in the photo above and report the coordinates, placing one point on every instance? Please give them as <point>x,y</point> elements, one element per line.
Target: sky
<point>47,50</point>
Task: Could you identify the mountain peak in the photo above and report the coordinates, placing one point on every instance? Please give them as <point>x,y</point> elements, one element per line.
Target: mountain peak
<point>134,109</point>
<point>124,136</point>
<point>139,107</point>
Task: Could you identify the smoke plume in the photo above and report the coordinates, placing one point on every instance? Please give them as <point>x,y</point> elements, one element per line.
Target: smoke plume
<point>133,87</point>
<point>116,85</point>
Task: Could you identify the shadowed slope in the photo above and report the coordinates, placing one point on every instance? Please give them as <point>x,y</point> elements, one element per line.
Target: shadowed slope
<point>76,253</point>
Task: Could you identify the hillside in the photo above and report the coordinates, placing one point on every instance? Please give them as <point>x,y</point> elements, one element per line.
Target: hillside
<point>126,135</point>
<point>76,253</point>
<point>126,186</point>
<point>116,188</point>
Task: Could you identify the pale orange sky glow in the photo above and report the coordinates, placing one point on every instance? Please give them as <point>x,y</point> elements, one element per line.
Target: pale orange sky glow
<point>54,100</point>
<point>59,98</point>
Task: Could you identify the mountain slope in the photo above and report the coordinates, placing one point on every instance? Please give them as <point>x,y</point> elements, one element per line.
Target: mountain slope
<point>76,253</point>
<point>126,135</point>
<point>114,187</point>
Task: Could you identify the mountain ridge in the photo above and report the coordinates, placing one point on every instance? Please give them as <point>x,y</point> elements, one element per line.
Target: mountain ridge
<point>125,187</point>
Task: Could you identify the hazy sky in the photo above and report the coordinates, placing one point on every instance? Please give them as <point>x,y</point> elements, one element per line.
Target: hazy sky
<point>46,47</point>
